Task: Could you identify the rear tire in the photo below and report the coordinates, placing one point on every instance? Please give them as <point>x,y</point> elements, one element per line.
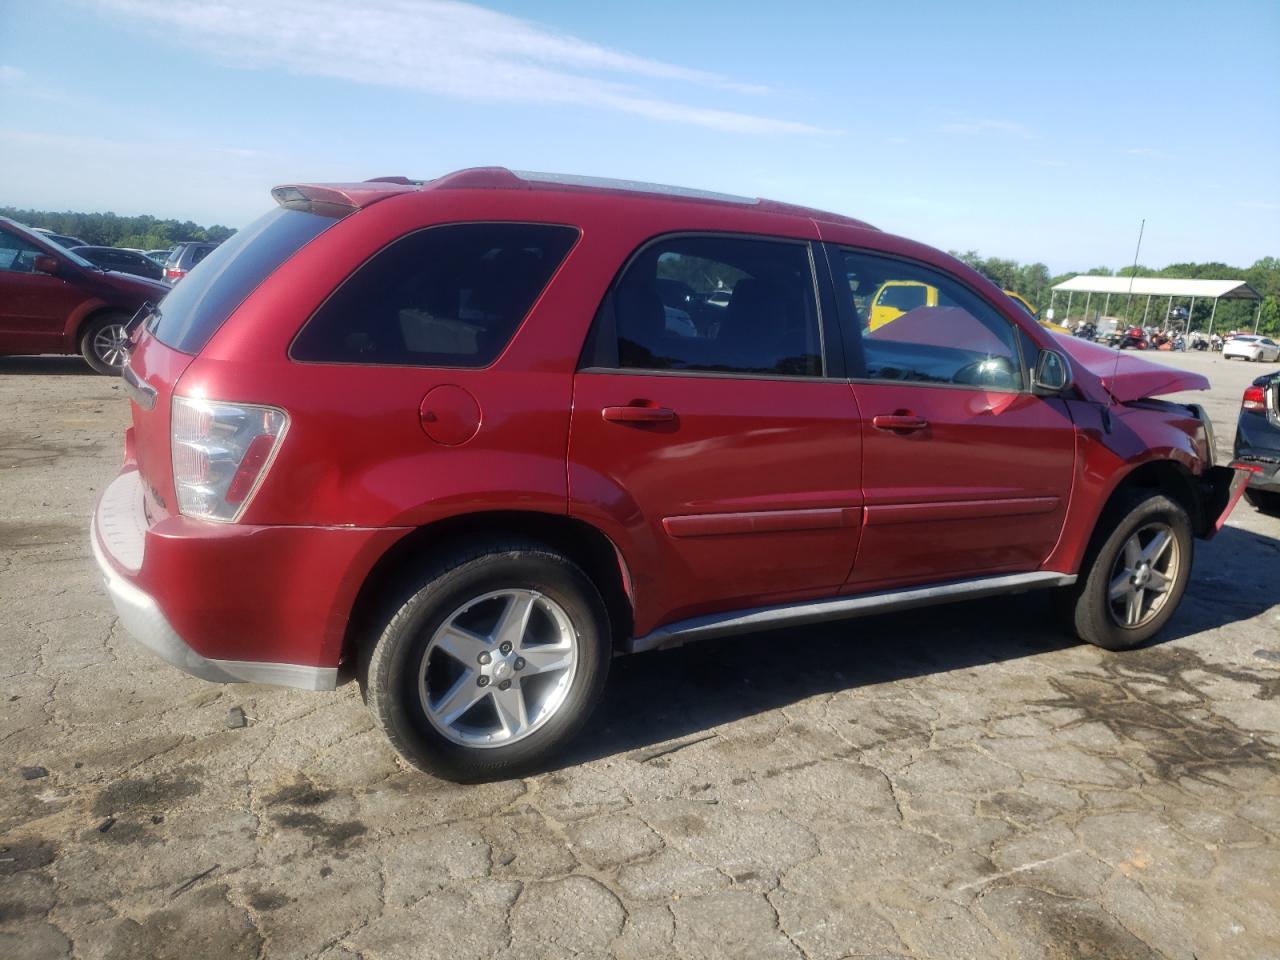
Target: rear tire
<point>103,343</point>
<point>444,678</point>
<point>1132,582</point>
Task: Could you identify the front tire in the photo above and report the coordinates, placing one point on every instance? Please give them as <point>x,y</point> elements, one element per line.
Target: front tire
<point>491,663</point>
<point>104,344</point>
<point>1132,583</point>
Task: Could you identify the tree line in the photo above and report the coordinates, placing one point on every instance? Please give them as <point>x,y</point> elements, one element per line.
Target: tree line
<point>1033,281</point>
<point>113,230</point>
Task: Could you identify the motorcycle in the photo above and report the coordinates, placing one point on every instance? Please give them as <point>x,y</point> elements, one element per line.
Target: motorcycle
<point>1087,331</point>
<point>1133,339</point>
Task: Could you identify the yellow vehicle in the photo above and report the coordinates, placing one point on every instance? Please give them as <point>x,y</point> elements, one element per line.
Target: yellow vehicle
<point>1023,302</point>
<point>896,297</point>
<point>1026,305</point>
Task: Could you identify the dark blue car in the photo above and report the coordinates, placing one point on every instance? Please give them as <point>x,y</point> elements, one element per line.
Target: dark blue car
<point>1258,441</point>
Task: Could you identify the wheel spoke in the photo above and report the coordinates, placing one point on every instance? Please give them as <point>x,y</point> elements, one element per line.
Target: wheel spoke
<point>545,658</point>
<point>460,698</point>
<point>1120,585</point>
<point>1158,582</point>
<point>1158,545</point>
<point>511,708</point>
<point>1132,552</point>
<point>515,619</point>
<point>1133,607</point>
<point>463,645</point>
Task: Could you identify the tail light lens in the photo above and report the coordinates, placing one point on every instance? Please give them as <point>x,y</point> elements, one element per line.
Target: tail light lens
<point>1255,398</point>
<point>221,451</point>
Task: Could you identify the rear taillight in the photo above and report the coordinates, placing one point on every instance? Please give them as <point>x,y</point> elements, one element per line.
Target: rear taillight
<point>1255,398</point>
<point>174,275</point>
<point>221,451</point>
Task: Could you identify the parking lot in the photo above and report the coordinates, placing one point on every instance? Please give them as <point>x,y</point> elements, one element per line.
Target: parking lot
<point>955,782</point>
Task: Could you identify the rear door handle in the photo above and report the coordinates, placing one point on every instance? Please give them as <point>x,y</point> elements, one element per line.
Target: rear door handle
<point>635,414</point>
<point>898,423</point>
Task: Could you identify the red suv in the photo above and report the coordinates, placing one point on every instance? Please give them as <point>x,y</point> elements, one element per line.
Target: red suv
<point>52,300</point>
<point>467,439</point>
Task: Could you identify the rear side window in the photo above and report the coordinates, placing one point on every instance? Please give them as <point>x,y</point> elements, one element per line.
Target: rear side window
<point>447,296</point>
<point>203,300</point>
<point>718,304</point>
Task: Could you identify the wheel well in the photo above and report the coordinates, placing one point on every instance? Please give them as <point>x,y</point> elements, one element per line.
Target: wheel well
<point>88,318</point>
<point>582,543</point>
<point>1162,476</point>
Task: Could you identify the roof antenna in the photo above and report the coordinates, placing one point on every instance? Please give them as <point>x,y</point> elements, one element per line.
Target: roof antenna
<point>1134,271</point>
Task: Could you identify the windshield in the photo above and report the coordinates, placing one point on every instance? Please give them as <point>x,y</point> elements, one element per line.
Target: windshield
<point>202,301</point>
<point>71,255</point>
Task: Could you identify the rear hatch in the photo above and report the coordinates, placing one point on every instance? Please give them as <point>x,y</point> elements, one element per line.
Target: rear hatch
<point>174,332</point>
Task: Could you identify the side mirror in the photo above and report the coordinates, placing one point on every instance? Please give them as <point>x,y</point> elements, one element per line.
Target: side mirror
<point>1052,374</point>
<point>44,263</point>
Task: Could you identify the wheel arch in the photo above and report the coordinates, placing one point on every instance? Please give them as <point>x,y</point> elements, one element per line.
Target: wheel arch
<point>1166,476</point>
<point>399,566</point>
<point>91,312</point>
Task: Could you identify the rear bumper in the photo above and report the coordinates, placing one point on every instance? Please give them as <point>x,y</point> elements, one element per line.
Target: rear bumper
<point>230,603</point>
<point>1264,472</point>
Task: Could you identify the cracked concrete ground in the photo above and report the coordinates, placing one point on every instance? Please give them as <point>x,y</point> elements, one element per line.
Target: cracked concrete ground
<point>955,782</point>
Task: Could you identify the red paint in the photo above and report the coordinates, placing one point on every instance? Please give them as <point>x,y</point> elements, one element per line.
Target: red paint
<point>717,492</point>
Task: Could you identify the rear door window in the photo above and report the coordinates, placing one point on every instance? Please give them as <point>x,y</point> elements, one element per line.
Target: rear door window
<point>718,304</point>
<point>448,296</point>
<point>195,309</point>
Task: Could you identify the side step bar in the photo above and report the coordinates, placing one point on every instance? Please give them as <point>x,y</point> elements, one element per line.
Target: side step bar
<point>840,608</point>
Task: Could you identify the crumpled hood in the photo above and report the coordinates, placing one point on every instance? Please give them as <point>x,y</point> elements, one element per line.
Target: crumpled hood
<point>1125,375</point>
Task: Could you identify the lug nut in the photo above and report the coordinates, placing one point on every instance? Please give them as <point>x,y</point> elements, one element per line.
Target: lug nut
<point>484,659</point>
<point>505,647</point>
<point>519,664</point>
<point>505,685</point>
<point>482,680</point>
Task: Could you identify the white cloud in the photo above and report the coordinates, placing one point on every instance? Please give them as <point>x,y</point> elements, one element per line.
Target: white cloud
<point>1145,152</point>
<point>972,127</point>
<point>444,48</point>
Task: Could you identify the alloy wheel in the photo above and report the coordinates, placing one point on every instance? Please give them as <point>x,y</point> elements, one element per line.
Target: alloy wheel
<point>111,345</point>
<point>1143,575</point>
<point>498,668</point>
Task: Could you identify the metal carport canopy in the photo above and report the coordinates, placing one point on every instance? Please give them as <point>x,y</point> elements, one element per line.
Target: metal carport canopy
<point>1161,287</point>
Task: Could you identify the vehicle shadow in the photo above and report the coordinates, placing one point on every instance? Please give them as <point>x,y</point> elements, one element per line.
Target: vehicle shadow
<point>1233,579</point>
<point>658,697</point>
<point>45,366</point>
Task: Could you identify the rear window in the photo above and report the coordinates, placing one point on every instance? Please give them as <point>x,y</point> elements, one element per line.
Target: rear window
<point>202,301</point>
<point>446,296</point>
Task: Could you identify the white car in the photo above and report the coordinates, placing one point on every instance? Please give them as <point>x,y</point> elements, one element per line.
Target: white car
<point>1249,347</point>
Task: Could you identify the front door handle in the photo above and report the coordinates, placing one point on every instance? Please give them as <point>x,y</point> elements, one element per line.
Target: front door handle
<point>636,414</point>
<point>898,423</point>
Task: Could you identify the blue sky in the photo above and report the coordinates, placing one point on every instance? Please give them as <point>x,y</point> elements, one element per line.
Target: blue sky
<point>1022,130</point>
